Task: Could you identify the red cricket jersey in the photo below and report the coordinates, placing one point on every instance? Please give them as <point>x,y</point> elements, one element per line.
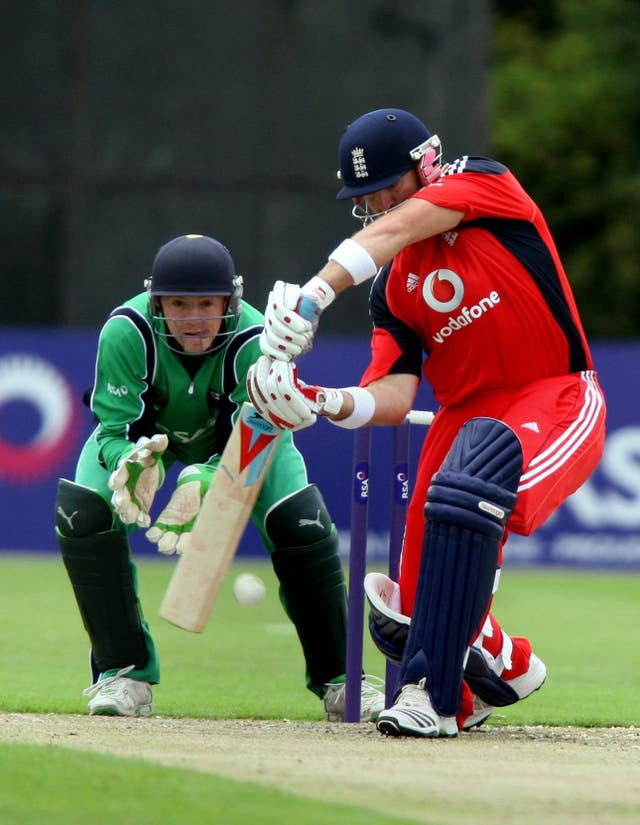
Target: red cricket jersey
<point>488,301</point>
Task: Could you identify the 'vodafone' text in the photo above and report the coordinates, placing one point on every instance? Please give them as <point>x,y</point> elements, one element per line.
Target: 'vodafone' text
<point>467,316</point>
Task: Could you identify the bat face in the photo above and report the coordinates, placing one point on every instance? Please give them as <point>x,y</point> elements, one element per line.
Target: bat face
<point>223,517</point>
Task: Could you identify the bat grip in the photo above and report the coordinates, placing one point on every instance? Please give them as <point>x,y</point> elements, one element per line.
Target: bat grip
<point>308,309</point>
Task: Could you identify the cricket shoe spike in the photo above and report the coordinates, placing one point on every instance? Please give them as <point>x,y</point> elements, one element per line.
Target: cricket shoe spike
<point>371,700</point>
<point>118,696</point>
<point>414,715</point>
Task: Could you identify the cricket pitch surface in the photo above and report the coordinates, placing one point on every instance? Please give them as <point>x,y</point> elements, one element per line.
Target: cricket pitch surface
<point>493,774</point>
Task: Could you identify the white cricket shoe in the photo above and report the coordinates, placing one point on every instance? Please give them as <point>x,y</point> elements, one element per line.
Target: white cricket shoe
<point>481,712</point>
<point>118,696</point>
<point>371,700</point>
<point>524,685</point>
<point>414,715</point>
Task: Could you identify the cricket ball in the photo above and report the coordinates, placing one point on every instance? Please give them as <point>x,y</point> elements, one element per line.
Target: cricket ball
<point>248,589</point>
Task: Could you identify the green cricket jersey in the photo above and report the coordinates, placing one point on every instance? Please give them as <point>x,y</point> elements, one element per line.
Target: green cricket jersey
<point>142,387</point>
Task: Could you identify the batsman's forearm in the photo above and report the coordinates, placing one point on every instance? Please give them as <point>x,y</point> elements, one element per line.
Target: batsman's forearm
<point>336,276</point>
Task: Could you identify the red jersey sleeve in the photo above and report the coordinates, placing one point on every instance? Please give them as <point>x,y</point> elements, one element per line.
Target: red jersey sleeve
<point>494,192</point>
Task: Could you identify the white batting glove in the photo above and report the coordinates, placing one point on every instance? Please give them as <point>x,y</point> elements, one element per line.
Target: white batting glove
<point>137,480</point>
<point>291,317</point>
<point>284,399</point>
<point>172,529</point>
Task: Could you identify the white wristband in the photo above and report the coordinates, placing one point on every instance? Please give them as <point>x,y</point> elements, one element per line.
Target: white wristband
<point>355,259</point>
<point>364,406</point>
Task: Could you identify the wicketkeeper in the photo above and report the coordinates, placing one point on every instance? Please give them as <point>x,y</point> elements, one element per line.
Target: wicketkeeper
<point>170,379</point>
<point>468,280</point>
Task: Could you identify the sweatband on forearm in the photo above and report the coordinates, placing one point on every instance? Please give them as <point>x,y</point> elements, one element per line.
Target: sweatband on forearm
<point>355,259</point>
<point>364,407</point>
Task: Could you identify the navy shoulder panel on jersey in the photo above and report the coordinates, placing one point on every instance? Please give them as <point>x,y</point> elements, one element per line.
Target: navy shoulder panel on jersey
<point>523,240</point>
<point>146,423</point>
<point>467,163</point>
<point>144,328</point>
<point>239,340</point>
<point>409,343</point>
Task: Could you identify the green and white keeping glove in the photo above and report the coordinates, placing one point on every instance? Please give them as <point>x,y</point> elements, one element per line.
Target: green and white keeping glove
<point>138,478</point>
<point>172,530</point>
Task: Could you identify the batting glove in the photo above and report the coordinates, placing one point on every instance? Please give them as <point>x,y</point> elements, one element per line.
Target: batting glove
<point>291,318</point>
<point>284,399</point>
<point>171,532</point>
<point>137,479</point>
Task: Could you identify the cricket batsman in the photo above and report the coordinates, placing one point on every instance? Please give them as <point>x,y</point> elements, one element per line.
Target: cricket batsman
<point>468,291</point>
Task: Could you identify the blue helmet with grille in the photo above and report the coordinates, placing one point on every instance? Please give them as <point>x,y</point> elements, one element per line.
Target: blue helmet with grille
<point>378,148</point>
<point>195,265</point>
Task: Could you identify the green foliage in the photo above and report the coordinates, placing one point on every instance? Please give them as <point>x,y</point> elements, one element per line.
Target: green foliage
<point>565,91</point>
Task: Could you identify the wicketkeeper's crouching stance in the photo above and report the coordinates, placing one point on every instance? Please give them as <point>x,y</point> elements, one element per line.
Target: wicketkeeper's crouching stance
<point>170,379</point>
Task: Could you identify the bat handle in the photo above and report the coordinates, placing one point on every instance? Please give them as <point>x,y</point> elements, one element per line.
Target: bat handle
<point>308,309</point>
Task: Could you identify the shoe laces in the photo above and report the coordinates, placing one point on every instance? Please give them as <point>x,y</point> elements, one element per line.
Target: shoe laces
<point>414,694</point>
<point>103,683</point>
<point>369,687</point>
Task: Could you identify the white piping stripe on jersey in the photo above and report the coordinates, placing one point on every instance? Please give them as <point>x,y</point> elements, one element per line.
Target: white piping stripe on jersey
<point>570,441</point>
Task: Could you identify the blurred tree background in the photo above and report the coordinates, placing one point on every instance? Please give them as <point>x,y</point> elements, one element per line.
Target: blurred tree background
<point>125,125</point>
<point>565,116</point>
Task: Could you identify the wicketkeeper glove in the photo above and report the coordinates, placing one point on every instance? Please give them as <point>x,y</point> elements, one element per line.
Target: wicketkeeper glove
<point>172,530</point>
<point>137,479</point>
<point>291,317</point>
<point>284,399</point>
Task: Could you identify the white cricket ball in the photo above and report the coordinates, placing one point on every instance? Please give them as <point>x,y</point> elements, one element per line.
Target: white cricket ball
<point>248,589</point>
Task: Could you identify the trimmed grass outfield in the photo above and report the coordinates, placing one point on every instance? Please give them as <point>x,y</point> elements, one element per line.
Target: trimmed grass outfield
<point>247,665</point>
<point>54,785</point>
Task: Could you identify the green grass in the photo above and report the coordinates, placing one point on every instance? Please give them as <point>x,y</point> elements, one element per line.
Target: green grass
<point>54,785</point>
<point>247,663</point>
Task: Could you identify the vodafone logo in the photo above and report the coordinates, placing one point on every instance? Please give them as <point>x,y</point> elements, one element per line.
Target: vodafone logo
<point>36,405</point>
<point>443,290</point>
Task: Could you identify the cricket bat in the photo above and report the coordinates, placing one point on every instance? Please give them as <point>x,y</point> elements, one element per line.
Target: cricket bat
<point>224,514</point>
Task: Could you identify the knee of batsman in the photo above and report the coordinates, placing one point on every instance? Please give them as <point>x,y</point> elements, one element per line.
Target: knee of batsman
<point>476,485</point>
<point>299,520</point>
<point>80,511</point>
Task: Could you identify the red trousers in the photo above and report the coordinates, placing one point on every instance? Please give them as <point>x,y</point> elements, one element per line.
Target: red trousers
<point>560,423</point>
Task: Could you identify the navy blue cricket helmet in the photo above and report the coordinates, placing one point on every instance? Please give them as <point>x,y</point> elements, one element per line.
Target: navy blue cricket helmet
<point>195,265</point>
<point>378,148</point>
